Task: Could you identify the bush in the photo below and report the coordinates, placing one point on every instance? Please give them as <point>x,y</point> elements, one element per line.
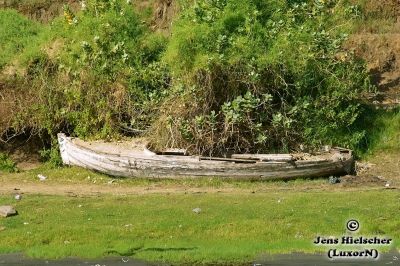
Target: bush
<point>240,76</point>
<point>6,164</point>
<point>258,76</point>
<point>94,73</point>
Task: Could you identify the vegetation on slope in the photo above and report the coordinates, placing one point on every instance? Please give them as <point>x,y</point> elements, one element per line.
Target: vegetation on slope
<point>247,77</point>
<point>90,73</point>
<point>264,75</point>
<point>16,33</point>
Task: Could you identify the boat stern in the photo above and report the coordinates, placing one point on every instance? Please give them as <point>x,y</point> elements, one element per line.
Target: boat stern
<point>62,140</point>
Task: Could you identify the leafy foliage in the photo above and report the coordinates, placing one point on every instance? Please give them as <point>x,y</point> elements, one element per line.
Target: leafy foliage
<point>235,76</point>
<point>272,74</point>
<point>6,164</point>
<point>105,74</point>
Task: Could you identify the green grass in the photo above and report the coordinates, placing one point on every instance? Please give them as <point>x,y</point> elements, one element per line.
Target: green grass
<point>79,176</point>
<point>388,139</point>
<point>16,33</point>
<point>232,228</point>
<point>382,133</point>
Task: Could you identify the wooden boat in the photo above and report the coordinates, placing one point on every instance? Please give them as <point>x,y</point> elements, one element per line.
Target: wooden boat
<point>133,159</point>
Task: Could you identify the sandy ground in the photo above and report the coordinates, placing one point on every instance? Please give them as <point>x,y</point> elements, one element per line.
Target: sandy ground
<point>94,190</point>
<point>348,183</point>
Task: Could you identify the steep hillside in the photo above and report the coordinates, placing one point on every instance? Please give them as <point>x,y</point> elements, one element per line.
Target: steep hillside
<point>382,52</point>
<point>377,40</point>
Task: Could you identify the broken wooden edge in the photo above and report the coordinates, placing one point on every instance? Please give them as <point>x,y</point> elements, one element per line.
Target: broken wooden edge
<point>141,162</point>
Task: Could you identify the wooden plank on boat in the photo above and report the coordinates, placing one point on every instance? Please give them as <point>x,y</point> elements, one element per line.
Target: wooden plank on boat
<point>265,157</point>
<point>172,151</point>
<point>228,160</point>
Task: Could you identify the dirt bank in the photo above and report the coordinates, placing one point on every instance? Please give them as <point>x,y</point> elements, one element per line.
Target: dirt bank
<point>382,54</point>
<point>40,10</point>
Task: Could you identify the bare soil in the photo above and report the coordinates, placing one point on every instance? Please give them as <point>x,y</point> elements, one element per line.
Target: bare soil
<point>386,166</point>
<point>75,190</point>
<point>382,54</point>
<point>40,10</point>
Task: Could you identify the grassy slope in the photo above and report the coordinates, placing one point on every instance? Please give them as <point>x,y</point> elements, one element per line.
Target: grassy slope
<point>230,228</point>
<point>16,33</point>
<point>384,133</point>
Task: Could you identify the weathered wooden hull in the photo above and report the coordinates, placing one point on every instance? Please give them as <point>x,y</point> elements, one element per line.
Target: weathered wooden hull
<point>147,164</point>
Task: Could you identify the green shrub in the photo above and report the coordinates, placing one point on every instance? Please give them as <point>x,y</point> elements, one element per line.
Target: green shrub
<point>243,76</point>
<point>6,164</point>
<point>263,75</point>
<point>104,75</point>
<point>52,155</point>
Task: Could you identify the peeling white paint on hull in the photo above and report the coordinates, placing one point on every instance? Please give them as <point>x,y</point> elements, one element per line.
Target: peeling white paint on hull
<point>124,160</point>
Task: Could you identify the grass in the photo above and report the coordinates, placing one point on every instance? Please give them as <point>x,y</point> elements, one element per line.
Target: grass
<point>375,26</point>
<point>77,176</point>
<point>377,16</point>
<point>231,228</point>
<point>383,133</point>
<point>389,137</point>
<point>16,33</point>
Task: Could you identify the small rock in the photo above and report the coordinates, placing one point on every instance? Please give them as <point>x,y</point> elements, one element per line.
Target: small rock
<point>387,185</point>
<point>2,228</point>
<point>42,177</point>
<point>7,211</point>
<point>197,210</point>
<point>111,181</point>
<point>18,197</point>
